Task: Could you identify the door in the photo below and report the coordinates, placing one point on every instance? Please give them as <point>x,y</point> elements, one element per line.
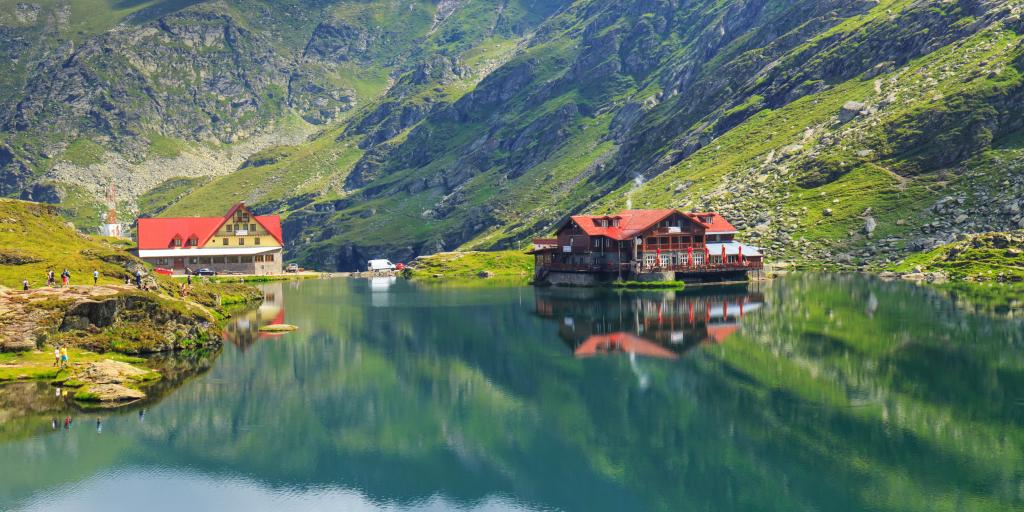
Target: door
<point>179,263</point>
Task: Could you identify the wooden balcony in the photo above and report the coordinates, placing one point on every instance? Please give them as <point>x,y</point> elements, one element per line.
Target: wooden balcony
<point>626,267</point>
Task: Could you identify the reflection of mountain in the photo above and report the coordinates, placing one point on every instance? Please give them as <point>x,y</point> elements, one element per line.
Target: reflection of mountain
<point>659,325</point>
<point>244,328</point>
<point>845,395</point>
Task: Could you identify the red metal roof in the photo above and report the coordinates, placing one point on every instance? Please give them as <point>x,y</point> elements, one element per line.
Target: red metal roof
<point>718,223</point>
<point>157,233</point>
<point>632,222</point>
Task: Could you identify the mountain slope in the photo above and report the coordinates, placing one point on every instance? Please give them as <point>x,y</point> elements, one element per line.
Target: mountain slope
<point>732,106</point>
<point>829,130</point>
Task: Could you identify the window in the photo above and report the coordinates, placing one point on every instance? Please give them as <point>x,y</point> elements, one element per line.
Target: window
<point>258,258</point>
<point>648,259</point>
<point>252,227</point>
<point>257,240</point>
<point>698,258</point>
<point>227,227</point>
<point>224,241</point>
<point>241,241</point>
<point>597,242</point>
<point>664,240</point>
<point>270,257</point>
<point>176,242</point>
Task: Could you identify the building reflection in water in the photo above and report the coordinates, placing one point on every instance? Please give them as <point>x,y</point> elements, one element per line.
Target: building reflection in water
<point>379,286</point>
<point>244,328</point>
<point>652,324</point>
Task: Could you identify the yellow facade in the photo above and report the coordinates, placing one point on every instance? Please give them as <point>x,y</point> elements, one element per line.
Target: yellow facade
<point>241,230</point>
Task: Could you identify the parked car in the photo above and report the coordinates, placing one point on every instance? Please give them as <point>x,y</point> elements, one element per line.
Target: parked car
<point>292,267</point>
<point>399,266</point>
<point>163,271</point>
<point>380,265</point>
<point>205,272</point>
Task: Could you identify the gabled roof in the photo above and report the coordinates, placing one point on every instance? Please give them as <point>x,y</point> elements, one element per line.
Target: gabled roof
<point>622,342</point>
<point>157,233</point>
<point>718,223</point>
<point>632,222</point>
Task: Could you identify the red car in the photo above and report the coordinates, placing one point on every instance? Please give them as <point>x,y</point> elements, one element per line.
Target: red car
<point>163,271</point>
<point>399,266</point>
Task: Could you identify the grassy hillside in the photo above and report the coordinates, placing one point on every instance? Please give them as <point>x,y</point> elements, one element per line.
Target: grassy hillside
<point>997,257</point>
<point>34,238</point>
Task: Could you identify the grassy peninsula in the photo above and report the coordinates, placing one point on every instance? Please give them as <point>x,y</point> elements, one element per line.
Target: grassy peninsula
<point>984,270</point>
<point>506,266</point>
<point>105,325</point>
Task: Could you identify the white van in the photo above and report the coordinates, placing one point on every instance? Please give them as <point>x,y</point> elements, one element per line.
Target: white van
<point>380,265</point>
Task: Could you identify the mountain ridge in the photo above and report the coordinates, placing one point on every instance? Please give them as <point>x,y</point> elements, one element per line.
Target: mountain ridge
<point>832,130</point>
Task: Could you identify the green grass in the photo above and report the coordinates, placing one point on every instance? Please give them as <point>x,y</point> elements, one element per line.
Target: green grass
<point>977,258</point>
<point>167,193</point>
<point>83,152</point>
<point>653,285</point>
<point>499,264</point>
<point>161,146</point>
<point>36,231</point>
<point>38,365</point>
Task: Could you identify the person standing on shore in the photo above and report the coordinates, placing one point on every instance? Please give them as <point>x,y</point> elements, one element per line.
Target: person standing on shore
<point>95,277</point>
<point>65,278</point>
<point>56,356</point>
<point>63,357</point>
<point>138,279</point>
<point>50,281</point>
<point>24,284</point>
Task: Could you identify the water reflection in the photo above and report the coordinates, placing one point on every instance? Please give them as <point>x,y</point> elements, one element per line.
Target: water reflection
<point>837,393</point>
<point>651,324</point>
<point>244,327</point>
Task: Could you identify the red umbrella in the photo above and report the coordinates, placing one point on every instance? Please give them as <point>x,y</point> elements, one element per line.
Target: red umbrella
<point>689,256</point>
<point>724,259</point>
<point>741,255</point>
<point>707,255</point>
<point>657,257</point>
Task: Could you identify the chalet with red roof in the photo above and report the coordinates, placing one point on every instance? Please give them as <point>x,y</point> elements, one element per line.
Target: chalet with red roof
<point>239,242</point>
<point>665,244</point>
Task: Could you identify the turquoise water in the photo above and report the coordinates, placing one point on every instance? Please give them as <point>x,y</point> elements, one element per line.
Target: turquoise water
<point>812,392</point>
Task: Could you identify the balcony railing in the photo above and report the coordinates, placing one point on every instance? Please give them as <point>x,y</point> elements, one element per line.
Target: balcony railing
<point>644,269</point>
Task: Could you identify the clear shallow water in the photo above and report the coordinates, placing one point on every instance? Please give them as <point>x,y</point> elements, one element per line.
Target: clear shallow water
<point>826,393</point>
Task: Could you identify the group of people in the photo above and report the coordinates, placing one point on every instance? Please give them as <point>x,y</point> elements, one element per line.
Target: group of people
<point>65,279</point>
<point>51,280</point>
<point>60,357</point>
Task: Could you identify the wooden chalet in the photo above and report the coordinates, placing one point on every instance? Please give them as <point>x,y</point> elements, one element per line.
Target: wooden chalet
<point>663,244</point>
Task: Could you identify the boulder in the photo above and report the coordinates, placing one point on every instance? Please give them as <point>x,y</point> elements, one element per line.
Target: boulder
<point>850,110</point>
